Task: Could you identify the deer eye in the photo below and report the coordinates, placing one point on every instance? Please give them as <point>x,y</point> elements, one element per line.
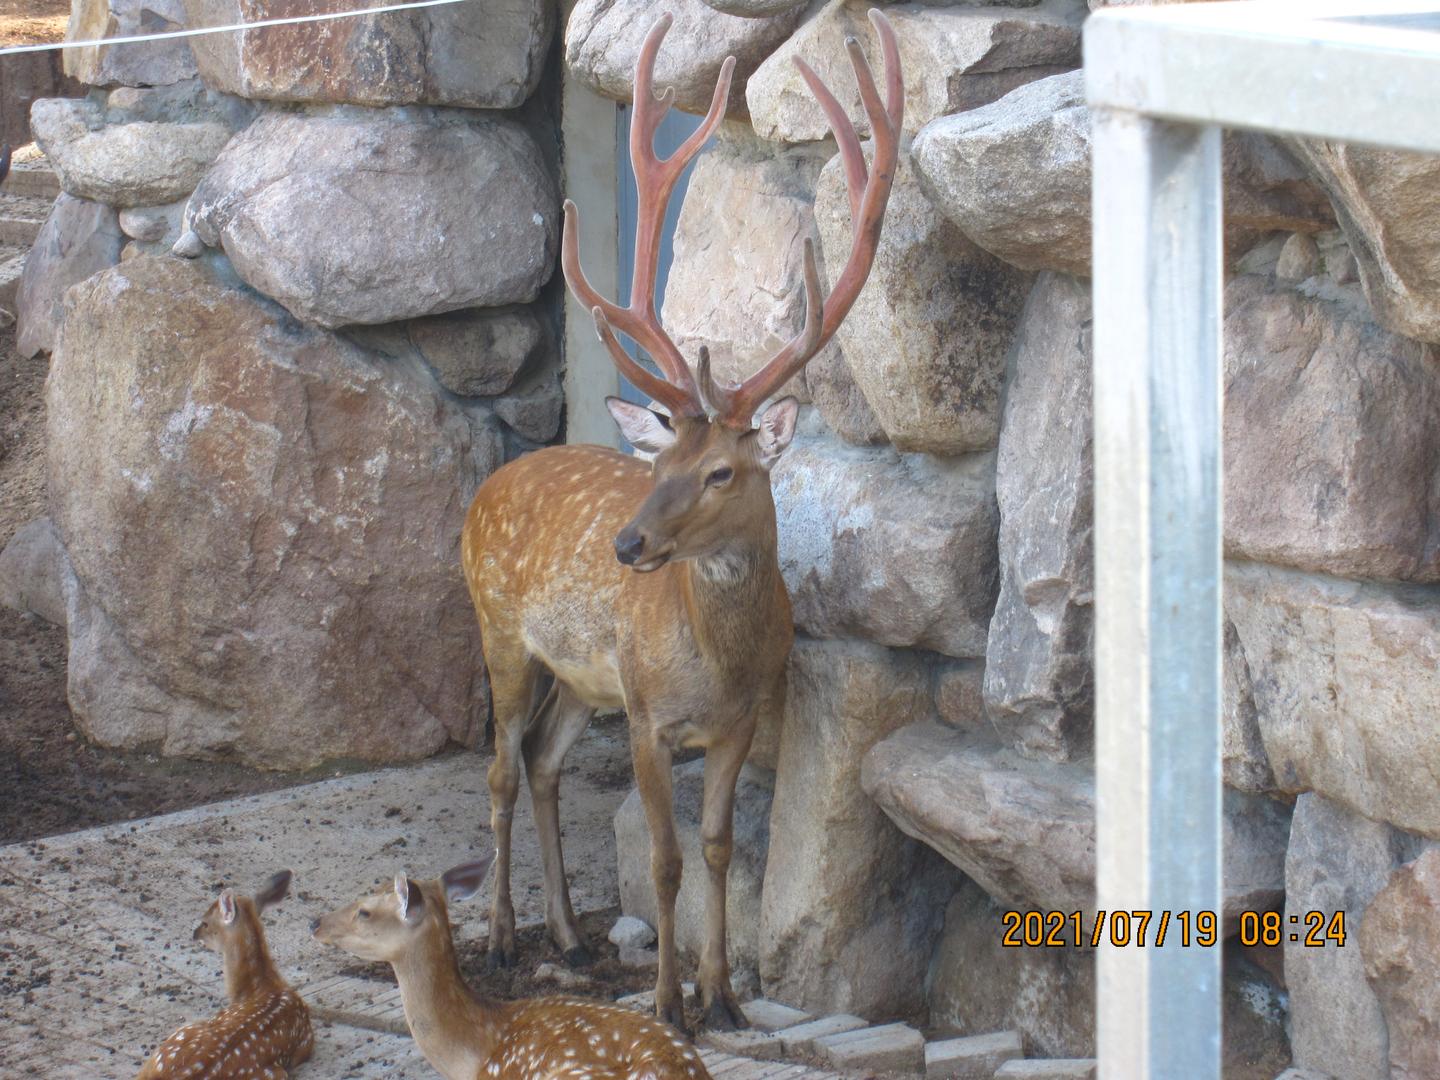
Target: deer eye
<point>719,476</point>
<point>362,913</point>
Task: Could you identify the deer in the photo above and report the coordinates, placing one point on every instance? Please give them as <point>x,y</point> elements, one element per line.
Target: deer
<point>604,582</point>
<point>265,1030</point>
<point>467,1037</point>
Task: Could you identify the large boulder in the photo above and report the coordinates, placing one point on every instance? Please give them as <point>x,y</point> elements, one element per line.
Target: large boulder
<point>139,149</point>
<point>896,549</point>
<point>603,39</point>
<point>1400,942</point>
<point>482,54</point>
<point>953,58</point>
<point>1039,691</point>
<point>1388,202</point>
<point>480,352</point>
<point>1337,862</point>
<point>1329,436</point>
<point>146,63</point>
<point>928,336</point>
<point>851,909</point>
<point>1346,681</point>
<point>78,239</point>
<point>753,795</point>
<point>1024,830</point>
<point>348,215</point>
<point>264,524</point>
<point>1014,175</point>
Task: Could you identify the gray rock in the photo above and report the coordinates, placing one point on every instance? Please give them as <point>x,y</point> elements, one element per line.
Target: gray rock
<point>480,351</point>
<point>1253,1019</point>
<point>153,224</point>
<point>78,239</point>
<point>1299,258</point>
<point>953,58</point>
<point>1024,830</point>
<point>34,570</point>
<point>972,1057</point>
<point>534,408</point>
<point>264,528</point>
<point>960,694</point>
<point>927,338</point>
<point>755,9</point>
<point>1346,685</point>
<point>603,39</point>
<point>754,792</point>
<point>295,203</point>
<point>1039,690</point>
<point>1245,763</point>
<point>1338,861</point>
<point>830,939</point>
<point>149,63</point>
<point>483,54</point>
<point>897,549</point>
<point>1388,202</point>
<point>110,157</point>
<point>1014,175</point>
<point>1400,941</point>
<point>632,932</point>
<point>1328,421</point>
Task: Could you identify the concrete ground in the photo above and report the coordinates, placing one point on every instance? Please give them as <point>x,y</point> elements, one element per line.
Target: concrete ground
<point>96,958</point>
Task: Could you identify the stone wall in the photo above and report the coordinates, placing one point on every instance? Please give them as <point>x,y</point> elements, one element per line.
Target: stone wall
<point>298,293</point>
<point>936,535</point>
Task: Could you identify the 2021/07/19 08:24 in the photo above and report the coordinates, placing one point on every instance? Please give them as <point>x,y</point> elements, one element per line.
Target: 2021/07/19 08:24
<point>1058,929</point>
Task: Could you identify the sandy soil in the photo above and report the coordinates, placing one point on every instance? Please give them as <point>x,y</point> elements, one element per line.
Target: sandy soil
<point>27,22</point>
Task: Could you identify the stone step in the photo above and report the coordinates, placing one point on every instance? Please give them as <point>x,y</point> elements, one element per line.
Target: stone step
<point>892,1047</point>
<point>974,1057</point>
<point>12,265</point>
<point>1047,1069</point>
<point>751,1043</point>
<point>767,1015</point>
<point>800,1039</point>
<point>37,181</point>
<point>20,231</point>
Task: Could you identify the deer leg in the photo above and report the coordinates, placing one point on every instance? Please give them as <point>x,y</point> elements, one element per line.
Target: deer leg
<point>723,761</point>
<point>515,703</point>
<point>652,776</point>
<point>554,732</point>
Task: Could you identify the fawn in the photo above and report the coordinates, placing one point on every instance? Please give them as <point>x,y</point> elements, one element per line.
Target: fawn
<point>466,1037</point>
<point>265,1030</point>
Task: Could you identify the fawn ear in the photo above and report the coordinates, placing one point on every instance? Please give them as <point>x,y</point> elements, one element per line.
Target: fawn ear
<point>464,881</point>
<point>643,429</point>
<point>274,891</point>
<point>777,428</point>
<point>227,907</point>
<point>412,900</point>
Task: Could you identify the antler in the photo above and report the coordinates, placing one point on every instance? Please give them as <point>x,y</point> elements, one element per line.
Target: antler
<point>869,190</point>
<point>654,181</point>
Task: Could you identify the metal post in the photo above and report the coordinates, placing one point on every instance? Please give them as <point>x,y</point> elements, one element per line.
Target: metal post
<point>1157,274</point>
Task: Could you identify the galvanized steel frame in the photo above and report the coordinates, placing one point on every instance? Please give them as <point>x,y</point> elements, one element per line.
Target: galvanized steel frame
<point>1161,83</point>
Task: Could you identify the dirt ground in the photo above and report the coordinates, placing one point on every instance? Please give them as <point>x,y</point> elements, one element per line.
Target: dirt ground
<point>31,22</point>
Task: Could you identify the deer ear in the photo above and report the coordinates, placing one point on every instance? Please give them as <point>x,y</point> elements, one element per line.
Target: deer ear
<point>777,428</point>
<point>643,429</point>
<point>273,892</point>
<point>227,907</point>
<point>463,882</point>
<point>412,900</point>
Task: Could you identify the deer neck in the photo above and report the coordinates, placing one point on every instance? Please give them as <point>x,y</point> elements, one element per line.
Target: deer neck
<point>248,967</point>
<point>730,594</point>
<point>455,1030</point>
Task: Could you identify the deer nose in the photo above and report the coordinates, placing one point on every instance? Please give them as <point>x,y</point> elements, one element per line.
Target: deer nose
<point>629,544</point>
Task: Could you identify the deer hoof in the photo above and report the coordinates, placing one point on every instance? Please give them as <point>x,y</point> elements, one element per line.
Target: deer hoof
<point>499,959</point>
<point>724,1014</point>
<point>578,956</point>
<point>673,1014</point>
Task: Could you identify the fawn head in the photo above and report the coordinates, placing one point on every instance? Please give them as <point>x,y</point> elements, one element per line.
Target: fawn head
<point>711,467</point>
<point>386,925</point>
<point>232,918</point>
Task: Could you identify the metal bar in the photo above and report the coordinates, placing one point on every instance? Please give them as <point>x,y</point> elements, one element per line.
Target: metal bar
<point>1260,66</point>
<point>1157,291</point>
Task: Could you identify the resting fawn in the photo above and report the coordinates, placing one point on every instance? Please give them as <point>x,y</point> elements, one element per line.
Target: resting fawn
<point>265,1030</point>
<point>466,1037</point>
